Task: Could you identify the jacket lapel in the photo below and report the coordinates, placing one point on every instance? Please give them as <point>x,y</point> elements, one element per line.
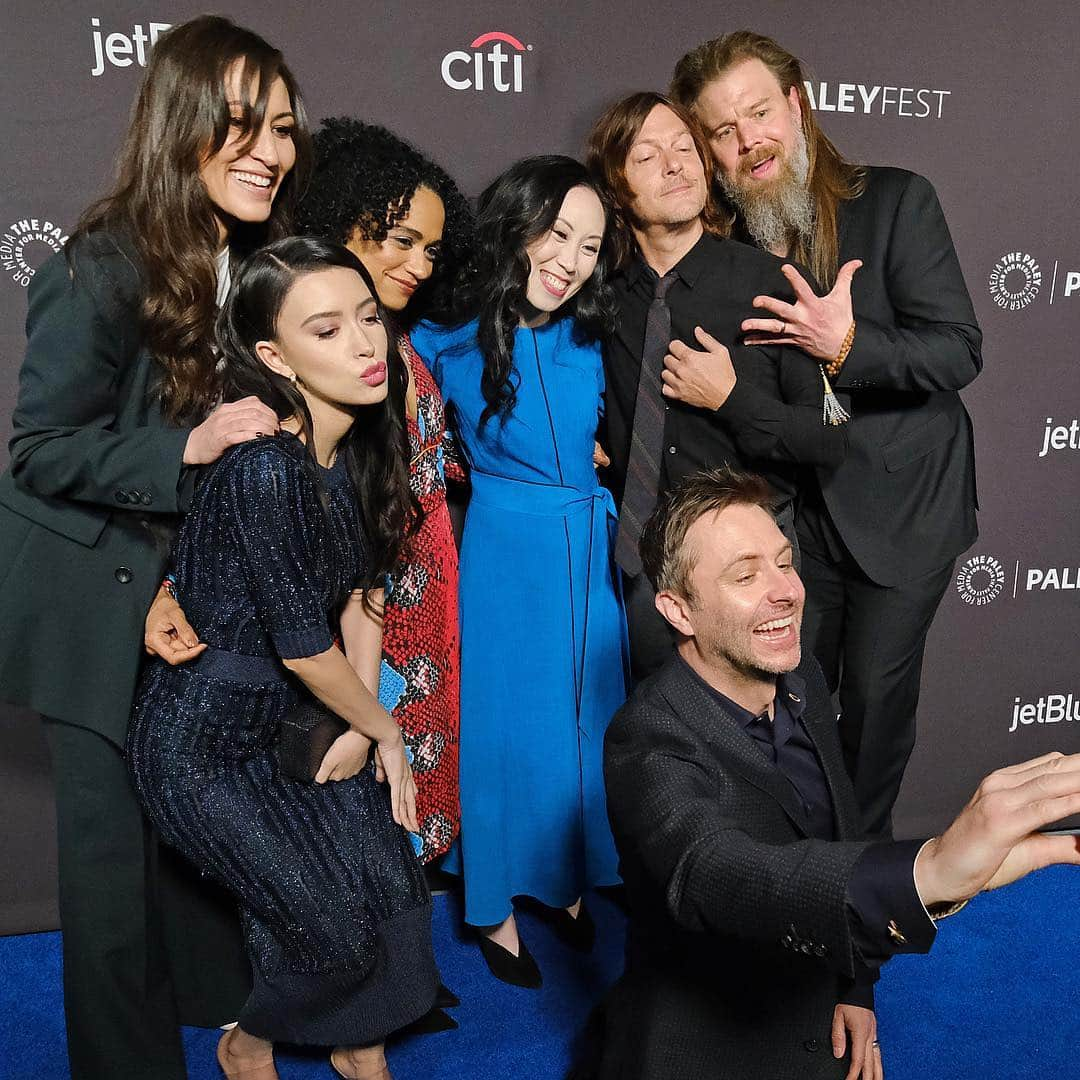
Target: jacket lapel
<point>699,710</point>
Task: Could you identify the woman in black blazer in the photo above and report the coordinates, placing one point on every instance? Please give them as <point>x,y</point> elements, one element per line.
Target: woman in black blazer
<point>116,408</point>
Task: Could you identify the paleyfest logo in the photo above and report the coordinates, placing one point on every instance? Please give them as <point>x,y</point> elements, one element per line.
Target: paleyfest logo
<point>25,245</point>
<point>919,103</point>
<point>1017,279</point>
<point>478,70</point>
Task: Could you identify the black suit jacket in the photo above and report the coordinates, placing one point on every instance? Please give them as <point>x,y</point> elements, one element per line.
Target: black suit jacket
<point>92,492</point>
<point>771,422</point>
<point>740,942</point>
<point>903,499</point>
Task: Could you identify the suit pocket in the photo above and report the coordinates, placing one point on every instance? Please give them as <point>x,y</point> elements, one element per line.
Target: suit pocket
<point>918,443</point>
<point>79,522</point>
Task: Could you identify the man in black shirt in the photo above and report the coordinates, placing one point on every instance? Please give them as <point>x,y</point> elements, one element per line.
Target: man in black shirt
<point>682,392</point>
<point>759,912</point>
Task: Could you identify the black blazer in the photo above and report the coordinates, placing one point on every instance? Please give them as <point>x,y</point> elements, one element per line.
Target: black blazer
<point>772,421</point>
<point>90,497</point>
<point>739,943</point>
<point>904,498</point>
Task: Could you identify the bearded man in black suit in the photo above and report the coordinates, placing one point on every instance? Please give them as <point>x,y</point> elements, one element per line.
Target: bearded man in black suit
<point>879,533</point>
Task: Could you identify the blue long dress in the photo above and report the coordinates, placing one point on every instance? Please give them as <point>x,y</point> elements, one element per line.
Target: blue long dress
<point>544,657</point>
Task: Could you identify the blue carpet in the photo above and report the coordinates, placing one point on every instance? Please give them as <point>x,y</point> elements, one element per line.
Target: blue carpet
<point>995,1000</point>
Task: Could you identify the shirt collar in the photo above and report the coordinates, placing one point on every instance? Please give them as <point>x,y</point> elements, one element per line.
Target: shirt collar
<point>790,694</point>
<point>689,267</point>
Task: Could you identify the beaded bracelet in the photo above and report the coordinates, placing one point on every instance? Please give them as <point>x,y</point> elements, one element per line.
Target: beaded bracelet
<point>832,368</point>
<point>169,585</point>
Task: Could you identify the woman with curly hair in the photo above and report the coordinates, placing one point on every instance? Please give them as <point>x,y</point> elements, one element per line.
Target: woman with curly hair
<point>544,653</point>
<point>409,225</point>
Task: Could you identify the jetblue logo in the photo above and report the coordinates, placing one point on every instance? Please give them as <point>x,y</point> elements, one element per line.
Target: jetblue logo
<point>1049,709</point>
<point>499,68</point>
<point>123,50</point>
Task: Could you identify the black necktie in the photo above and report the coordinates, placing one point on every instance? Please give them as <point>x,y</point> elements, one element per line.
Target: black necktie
<point>647,437</point>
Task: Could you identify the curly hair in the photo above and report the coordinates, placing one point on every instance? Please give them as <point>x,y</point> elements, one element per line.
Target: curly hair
<point>363,181</point>
<point>516,208</point>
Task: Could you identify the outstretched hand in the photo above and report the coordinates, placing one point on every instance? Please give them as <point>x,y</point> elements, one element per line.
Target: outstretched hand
<point>392,765</point>
<point>995,840</point>
<point>815,324</point>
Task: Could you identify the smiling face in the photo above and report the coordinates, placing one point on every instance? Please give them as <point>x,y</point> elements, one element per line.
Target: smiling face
<point>752,126</point>
<point>242,180</point>
<point>405,259</point>
<point>747,607</point>
<point>664,172</point>
<point>329,335</point>
<point>562,259</point>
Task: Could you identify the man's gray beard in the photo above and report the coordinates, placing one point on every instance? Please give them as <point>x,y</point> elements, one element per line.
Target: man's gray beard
<point>781,213</point>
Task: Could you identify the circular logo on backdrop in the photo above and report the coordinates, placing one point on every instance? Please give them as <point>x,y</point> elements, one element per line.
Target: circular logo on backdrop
<point>26,244</point>
<point>980,580</point>
<point>1015,281</point>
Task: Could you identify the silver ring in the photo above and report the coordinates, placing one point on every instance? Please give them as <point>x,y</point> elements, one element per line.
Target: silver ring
<point>876,1044</point>
<point>783,329</point>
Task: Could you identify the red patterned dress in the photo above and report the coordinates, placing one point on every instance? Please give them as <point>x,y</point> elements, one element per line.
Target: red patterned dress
<point>418,680</point>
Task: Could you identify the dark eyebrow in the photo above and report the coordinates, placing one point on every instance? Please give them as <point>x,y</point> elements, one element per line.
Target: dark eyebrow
<point>321,315</point>
<point>289,115</point>
<point>410,231</point>
<point>566,224</point>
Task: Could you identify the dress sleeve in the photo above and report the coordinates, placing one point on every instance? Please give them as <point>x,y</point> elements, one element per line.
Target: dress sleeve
<point>282,534</point>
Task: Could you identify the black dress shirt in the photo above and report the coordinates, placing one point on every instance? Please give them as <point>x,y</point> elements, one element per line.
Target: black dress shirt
<point>884,872</point>
<point>771,422</point>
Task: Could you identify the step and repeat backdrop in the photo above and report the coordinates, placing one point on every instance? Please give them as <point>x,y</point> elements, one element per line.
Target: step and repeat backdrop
<point>979,98</point>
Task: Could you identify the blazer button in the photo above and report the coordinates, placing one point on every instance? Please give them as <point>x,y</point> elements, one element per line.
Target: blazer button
<point>805,948</point>
<point>787,941</point>
<point>146,498</point>
<point>121,497</point>
<point>820,950</point>
<point>123,574</point>
<point>812,1045</point>
<point>672,449</point>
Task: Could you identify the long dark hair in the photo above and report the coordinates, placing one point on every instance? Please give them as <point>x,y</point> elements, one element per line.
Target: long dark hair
<point>516,209</point>
<point>376,447</point>
<point>161,205</point>
<point>832,178</point>
<point>362,183</point>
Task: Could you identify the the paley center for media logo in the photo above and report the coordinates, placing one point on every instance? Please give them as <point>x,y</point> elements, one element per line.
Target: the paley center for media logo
<point>121,49</point>
<point>26,244</point>
<point>983,578</point>
<point>493,62</point>
<point>1016,281</point>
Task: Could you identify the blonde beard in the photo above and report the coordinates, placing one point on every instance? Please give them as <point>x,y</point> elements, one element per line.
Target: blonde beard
<point>782,212</point>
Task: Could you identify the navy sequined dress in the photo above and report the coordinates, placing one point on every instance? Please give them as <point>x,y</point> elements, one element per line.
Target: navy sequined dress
<point>336,912</point>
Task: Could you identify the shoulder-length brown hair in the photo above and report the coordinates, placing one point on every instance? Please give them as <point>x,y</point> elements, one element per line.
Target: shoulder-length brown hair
<point>832,178</point>
<point>606,151</point>
<point>160,204</point>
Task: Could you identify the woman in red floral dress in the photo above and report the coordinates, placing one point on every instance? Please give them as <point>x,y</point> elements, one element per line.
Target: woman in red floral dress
<point>408,223</point>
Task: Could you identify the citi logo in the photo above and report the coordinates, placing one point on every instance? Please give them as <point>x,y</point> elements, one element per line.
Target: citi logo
<point>477,70</point>
<point>1050,709</point>
<point>123,50</point>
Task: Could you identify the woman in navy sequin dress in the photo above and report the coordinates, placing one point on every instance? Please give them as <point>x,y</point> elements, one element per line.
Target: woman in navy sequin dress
<point>286,537</point>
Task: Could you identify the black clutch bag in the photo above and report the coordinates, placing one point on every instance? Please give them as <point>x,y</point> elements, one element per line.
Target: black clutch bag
<point>308,730</point>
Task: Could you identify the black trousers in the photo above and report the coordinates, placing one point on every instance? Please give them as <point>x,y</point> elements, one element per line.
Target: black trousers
<point>148,945</point>
<point>869,640</point>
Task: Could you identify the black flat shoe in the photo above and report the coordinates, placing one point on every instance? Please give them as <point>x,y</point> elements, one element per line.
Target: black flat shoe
<point>520,970</point>
<point>578,932</point>
<point>445,998</point>
<point>431,1023</point>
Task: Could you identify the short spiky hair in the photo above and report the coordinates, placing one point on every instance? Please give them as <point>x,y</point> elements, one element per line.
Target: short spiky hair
<point>667,561</point>
<point>363,181</point>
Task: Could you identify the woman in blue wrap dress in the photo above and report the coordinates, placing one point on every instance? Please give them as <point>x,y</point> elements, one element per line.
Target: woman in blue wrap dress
<point>543,634</point>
